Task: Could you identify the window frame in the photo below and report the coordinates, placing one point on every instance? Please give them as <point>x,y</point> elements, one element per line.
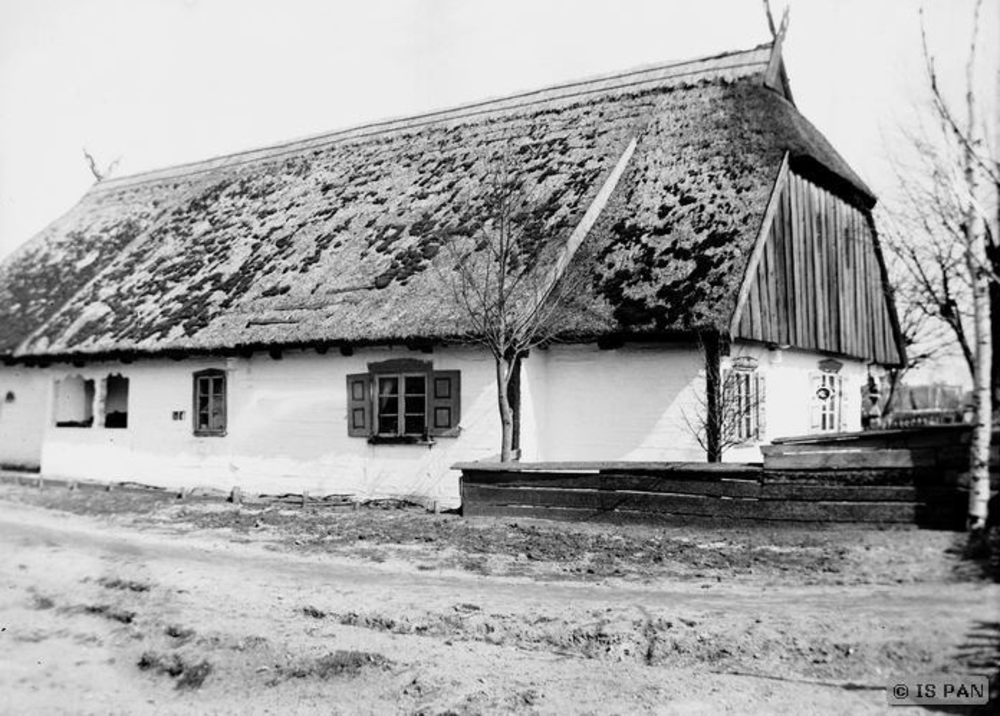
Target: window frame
<point>106,391</point>
<point>400,413</point>
<point>211,374</point>
<point>441,398</point>
<point>830,411</point>
<point>747,424</point>
<point>88,385</point>
<point>746,408</point>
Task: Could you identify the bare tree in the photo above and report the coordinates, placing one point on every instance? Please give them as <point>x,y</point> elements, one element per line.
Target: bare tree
<point>100,174</point>
<point>926,298</point>
<point>514,294</point>
<point>949,251</point>
<point>728,412</point>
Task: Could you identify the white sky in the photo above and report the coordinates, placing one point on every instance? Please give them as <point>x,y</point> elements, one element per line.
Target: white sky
<point>159,82</point>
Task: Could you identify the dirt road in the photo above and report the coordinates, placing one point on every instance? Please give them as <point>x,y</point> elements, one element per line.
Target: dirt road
<point>104,615</point>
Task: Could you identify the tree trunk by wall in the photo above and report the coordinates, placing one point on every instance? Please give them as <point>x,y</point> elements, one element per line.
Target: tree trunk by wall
<point>514,400</point>
<point>713,398</point>
<point>504,370</point>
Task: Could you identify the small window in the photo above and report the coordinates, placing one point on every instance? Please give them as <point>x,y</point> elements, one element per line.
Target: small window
<point>742,406</point>
<point>825,402</point>
<point>401,408</point>
<point>405,405</point>
<point>116,402</point>
<point>209,403</point>
<point>74,403</point>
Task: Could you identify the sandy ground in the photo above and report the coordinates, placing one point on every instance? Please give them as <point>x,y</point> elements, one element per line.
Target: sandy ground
<point>119,604</point>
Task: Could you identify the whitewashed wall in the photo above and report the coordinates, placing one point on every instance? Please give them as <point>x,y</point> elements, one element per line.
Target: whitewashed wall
<point>789,393</point>
<point>287,429</point>
<point>636,402</point>
<point>622,404</point>
<point>22,418</point>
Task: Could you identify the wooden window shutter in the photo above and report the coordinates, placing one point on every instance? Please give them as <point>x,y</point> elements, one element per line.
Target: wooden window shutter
<point>445,401</point>
<point>760,406</point>
<point>815,404</point>
<point>841,413</point>
<point>359,405</point>
<point>726,379</point>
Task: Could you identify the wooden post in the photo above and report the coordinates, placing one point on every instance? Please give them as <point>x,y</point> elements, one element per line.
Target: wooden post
<point>236,496</point>
<point>305,499</point>
<point>713,398</point>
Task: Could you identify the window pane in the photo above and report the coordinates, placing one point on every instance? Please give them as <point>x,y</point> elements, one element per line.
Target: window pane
<point>203,420</point>
<point>415,405</point>
<point>414,384</point>
<point>202,403</point>
<point>388,424</point>
<point>388,386</point>
<point>217,385</point>
<point>388,406</point>
<point>218,413</point>
<point>442,417</point>
<point>442,388</point>
<point>414,424</point>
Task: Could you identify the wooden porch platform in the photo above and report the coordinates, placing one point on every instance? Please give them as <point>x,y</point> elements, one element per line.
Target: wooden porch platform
<point>902,477</point>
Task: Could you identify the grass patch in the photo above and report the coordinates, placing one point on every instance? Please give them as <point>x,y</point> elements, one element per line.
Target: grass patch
<point>340,663</point>
<point>39,601</point>
<point>189,675</point>
<point>123,584</point>
<point>176,631</point>
<point>109,612</point>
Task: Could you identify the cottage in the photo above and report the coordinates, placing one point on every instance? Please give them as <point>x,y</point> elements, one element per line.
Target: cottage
<point>279,319</point>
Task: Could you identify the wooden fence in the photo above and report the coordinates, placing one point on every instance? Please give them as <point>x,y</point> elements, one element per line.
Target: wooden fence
<point>940,448</point>
<point>685,492</point>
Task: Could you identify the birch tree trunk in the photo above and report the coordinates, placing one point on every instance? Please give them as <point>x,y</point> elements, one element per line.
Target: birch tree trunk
<point>979,488</point>
<point>977,261</point>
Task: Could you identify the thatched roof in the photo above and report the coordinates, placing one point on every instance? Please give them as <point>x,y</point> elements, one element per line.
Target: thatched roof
<point>338,238</point>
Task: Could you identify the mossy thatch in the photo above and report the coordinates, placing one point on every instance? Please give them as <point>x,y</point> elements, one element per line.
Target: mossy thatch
<point>339,238</point>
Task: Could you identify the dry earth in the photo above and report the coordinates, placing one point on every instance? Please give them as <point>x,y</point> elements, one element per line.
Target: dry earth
<point>135,603</point>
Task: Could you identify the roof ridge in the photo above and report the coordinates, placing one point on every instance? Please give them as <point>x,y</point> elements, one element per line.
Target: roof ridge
<point>428,117</point>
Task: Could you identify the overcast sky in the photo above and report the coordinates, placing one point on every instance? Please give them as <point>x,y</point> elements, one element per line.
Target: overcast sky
<point>158,82</point>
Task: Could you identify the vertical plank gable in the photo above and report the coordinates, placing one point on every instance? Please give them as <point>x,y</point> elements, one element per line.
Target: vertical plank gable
<point>817,281</point>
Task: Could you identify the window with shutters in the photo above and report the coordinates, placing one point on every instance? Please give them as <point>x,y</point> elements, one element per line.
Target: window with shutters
<point>825,402</point>
<point>403,401</point>
<point>742,406</point>
<point>210,403</point>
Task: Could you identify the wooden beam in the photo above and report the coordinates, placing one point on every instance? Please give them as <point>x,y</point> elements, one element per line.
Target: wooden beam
<point>750,270</point>
<point>713,398</point>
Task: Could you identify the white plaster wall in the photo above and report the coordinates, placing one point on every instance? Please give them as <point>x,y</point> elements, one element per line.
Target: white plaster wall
<point>22,421</point>
<point>788,393</point>
<point>635,402</point>
<point>287,429</point>
<point>622,404</point>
